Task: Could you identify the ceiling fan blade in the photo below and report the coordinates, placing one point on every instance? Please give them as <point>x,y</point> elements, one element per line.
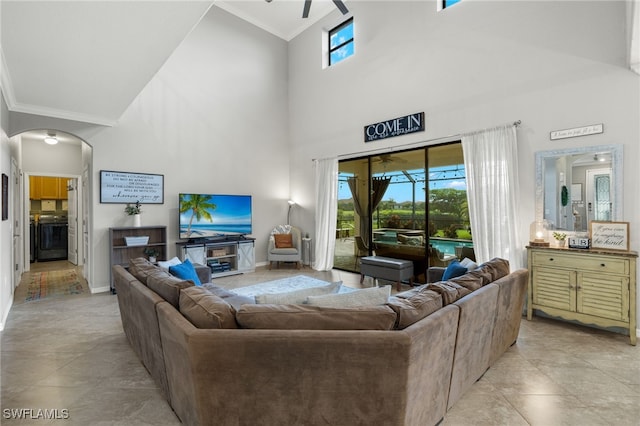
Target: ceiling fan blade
<point>307,7</point>
<point>340,5</point>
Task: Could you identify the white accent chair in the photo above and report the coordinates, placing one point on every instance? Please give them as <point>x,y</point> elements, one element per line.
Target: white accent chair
<point>285,254</point>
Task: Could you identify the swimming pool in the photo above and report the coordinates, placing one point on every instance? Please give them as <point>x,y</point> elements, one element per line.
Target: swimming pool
<point>448,246</point>
<point>445,245</point>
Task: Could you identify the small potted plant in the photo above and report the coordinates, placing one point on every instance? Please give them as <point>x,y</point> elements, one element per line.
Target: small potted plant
<point>134,210</point>
<point>152,253</point>
<point>560,238</point>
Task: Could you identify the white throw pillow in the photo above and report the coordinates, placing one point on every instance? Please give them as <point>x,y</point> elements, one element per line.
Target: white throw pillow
<point>469,264</point>
<point>166,264</point>
<point>297,297</point>
<point>366,297</point>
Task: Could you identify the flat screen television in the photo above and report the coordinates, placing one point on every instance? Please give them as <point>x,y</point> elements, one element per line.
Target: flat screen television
<point>214,215</point>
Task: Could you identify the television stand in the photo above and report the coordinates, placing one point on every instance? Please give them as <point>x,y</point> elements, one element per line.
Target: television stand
<point>223,256</point>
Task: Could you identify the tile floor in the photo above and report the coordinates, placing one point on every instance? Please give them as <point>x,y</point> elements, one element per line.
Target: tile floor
<point>69,353</point>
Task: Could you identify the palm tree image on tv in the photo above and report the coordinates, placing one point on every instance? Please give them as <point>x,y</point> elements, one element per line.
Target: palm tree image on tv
<point>200,207</point>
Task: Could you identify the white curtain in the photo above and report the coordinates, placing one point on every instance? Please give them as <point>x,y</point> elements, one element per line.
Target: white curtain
<point>491,164</point>
<point>326,213</point>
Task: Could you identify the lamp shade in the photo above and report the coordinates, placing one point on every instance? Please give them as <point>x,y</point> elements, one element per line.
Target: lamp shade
<point>539,233</point>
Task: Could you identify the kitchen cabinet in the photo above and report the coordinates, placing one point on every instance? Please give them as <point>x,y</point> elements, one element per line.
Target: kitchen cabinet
<point>588,286</point>
<point>47,188</point>
<point>62,188</point>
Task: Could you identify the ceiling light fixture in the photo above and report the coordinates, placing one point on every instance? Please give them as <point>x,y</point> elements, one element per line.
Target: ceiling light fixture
<point>51,139</point>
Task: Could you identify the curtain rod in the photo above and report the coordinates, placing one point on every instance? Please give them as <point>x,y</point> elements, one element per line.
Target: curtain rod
<point>407,145</point>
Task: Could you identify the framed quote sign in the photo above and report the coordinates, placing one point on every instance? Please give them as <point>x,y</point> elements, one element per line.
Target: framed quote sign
<point>609,235</point>
<point>125,187</point>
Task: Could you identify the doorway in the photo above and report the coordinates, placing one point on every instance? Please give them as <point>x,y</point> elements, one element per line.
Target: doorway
<point>51,199</point>
<point>410,205</point>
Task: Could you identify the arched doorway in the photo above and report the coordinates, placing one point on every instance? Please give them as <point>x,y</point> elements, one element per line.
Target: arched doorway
<point>55,194</point>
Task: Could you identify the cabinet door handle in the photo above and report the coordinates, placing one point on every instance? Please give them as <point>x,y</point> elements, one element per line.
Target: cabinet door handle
<point>603,265</point>
<point>551,259</point>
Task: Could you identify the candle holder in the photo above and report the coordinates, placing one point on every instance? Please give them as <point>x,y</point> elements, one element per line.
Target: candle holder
<point>539,233</point>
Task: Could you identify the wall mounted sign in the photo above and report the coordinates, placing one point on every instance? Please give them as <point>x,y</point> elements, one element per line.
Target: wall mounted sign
<point>123,187</point>
<point>610,235</point>
<point>577,131</point>
<point>398,126</point>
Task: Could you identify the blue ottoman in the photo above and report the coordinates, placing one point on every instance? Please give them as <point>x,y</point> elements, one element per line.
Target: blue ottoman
<point>387,268</point>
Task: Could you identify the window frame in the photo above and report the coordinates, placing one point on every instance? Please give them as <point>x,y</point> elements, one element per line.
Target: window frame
<point>442,4</point>
<point>335,30</point>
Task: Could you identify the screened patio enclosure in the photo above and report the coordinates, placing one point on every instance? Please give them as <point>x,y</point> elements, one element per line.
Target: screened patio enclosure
<point>392,205</point>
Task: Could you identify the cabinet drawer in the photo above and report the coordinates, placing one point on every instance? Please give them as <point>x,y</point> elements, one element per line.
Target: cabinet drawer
<point>606,264</point>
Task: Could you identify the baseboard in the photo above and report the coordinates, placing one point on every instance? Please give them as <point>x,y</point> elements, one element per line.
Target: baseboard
<point>6,313</point>
<point>100,289</point>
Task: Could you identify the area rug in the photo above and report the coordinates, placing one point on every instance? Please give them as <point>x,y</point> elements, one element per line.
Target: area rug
<point>53,283</point>
<point>284,285</point>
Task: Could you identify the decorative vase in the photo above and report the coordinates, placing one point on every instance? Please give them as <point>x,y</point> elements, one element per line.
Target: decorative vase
<point>136,220</point>
<point>561,243</point>
<point>152,259</point>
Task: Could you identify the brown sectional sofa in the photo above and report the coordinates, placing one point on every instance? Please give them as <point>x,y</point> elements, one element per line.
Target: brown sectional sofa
<point>406,369</point>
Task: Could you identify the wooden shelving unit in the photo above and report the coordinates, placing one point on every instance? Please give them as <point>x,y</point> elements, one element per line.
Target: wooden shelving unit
<point>120,252</point>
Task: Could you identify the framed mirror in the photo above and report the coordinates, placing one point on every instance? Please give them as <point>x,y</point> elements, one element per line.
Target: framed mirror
<point>577,185</point>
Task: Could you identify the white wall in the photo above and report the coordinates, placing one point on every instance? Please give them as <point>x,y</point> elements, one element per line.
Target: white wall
<point>553,65</point>
<point>213,120</point>
<point>60,159</point>
<point>6,232</point>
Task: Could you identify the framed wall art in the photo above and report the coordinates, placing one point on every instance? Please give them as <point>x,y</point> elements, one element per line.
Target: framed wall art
<point>609,235</point>
<point>5,197</point>
<point>125,187</point>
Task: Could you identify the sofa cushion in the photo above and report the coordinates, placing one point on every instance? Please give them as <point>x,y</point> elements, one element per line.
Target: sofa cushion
<point>413,240</point>
<point>472,280</point>
<point>454,269</point>
<point>186,271</point>
<point>366,297</point>
<point>168,287</point>
<point>298,296</point>
<point>305,317</point>
<point>469,264</point>
<point>496,267</point>
<point>283,240</point>
<point>449,291</point>
<point>233,299</point>
<point>413,305</point>
<point>166,264</point>
<point>206,310</point>
<point>141,268</point>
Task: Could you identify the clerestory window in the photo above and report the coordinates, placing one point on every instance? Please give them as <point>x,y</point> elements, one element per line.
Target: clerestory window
<point>341,43</point>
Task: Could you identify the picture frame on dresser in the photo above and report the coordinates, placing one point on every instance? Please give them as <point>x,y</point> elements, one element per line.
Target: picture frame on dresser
<point>609,235</point>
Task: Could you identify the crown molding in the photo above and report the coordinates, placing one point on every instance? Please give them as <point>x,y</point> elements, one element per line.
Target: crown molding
<point>5,82</point>
<point>62,114</point>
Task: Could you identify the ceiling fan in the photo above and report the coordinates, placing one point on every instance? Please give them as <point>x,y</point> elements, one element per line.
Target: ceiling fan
<point>307,7</point>
<point>339,4</point>
<point>388,158</point>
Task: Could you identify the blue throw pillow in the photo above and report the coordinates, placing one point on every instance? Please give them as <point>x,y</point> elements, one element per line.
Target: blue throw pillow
<point>455,269</point>
<point>185,271</point>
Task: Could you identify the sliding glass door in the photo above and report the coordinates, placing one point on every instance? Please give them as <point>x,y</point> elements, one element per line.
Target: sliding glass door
<point>392,205</point>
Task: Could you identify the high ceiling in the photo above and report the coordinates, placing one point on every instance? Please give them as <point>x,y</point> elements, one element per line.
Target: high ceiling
<point>88,60</point>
